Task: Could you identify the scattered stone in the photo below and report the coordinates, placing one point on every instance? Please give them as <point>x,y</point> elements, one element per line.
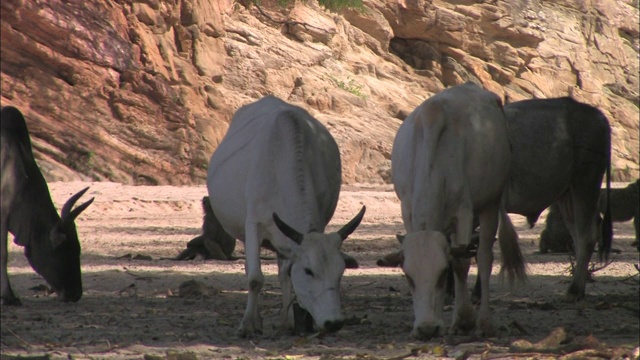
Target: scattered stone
<point>194,289</point>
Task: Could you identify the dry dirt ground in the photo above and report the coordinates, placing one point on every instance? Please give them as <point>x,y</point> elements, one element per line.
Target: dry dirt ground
<point>131,308</point>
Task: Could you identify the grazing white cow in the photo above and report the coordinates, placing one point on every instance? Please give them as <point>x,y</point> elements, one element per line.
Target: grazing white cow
<point>450,159</point>
<point>278,162</point>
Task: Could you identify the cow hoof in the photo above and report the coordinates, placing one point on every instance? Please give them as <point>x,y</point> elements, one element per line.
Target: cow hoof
<point>486,328</point>
<point>11,301</point>
<point>244,333</point>
<point>574,294</point>
<point>249,326</point>
<point>425,333</point>
<point>464,321</point>
<point>461,329</point>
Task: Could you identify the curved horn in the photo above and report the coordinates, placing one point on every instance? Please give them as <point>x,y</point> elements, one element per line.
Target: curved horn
<point>75,212</point>
<point>352,225</point>
<point>288,230</point>
<point>66,213</point>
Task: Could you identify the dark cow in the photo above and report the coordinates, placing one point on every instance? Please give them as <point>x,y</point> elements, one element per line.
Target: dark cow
<point>50,241</point>
<point>561,149</point>
<point>213,243</point>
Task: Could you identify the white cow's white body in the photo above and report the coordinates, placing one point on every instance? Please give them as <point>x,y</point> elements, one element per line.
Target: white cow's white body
<point>450,160</point>
<point>276,158</point>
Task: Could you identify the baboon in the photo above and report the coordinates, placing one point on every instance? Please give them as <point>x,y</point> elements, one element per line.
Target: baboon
<point>555,237</point>
<point>214,243</point>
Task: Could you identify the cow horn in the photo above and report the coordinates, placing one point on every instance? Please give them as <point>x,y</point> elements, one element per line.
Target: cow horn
<point>288,230</point>
<point>352,225</point>
<point>66,214</point>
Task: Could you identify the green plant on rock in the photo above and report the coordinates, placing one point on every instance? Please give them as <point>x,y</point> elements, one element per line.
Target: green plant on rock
<point>334,5</point>
<point>350,86</point>
<point>341,4</point>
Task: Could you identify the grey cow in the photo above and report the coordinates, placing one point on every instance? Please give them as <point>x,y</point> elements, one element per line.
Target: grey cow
<point>50,241</point>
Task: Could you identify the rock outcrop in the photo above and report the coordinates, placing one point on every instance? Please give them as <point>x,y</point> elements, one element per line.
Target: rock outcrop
<point>142,91</point>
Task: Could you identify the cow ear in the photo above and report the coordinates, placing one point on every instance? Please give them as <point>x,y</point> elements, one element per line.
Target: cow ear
<point>57,237</point>
<point>400,238</point>
<point>290,232</point>
<point>351,226</point>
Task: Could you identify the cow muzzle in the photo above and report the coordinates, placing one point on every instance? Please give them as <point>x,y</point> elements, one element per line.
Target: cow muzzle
<point>426,331</point>
<point>333,326</point>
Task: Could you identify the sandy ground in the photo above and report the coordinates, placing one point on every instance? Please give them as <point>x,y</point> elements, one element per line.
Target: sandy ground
<point>131,308</point>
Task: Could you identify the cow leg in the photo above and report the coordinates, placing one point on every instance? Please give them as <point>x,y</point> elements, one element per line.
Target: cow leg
<point>463,312</point>
<point>488,228</point>
<point>287,301</point>
<point>636,225</point>
<point>7,297</point>
<point>579,210</point>
<point>251,322</point>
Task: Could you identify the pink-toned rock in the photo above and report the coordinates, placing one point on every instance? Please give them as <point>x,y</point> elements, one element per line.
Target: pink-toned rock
<point>142,91</point>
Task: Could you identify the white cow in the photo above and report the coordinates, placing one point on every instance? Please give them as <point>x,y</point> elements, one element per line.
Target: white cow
<point>278,162</point>
<point>450,159</point>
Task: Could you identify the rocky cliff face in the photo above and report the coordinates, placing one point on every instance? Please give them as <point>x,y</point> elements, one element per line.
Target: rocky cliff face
<point>142,91</point>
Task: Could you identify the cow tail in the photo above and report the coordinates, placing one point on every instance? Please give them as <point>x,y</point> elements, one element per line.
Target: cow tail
<point>606,239</point>
<point>512,259</point>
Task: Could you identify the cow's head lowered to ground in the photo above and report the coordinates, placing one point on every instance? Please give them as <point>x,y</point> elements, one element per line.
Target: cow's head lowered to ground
<point>425,259</point>
<point>316,267</point>
<point>50,241</point>
<point>59,264</point>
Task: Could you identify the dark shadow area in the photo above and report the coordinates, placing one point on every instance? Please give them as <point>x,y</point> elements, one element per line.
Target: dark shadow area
<point>122,309</point>
<point>136,304</point>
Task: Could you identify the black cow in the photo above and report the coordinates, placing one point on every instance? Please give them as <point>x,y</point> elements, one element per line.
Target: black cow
<point>561,151</point>
<point>50,241</point>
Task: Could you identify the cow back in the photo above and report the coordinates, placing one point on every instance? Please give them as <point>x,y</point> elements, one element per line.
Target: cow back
<point>452,148</point>
<point>551,140</point>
